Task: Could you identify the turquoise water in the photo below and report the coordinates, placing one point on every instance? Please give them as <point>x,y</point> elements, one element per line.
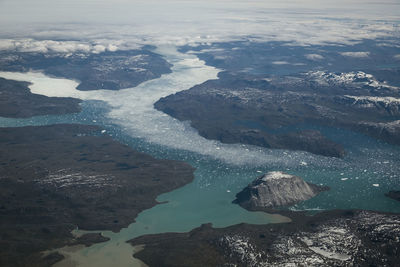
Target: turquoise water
<point>351,179</point>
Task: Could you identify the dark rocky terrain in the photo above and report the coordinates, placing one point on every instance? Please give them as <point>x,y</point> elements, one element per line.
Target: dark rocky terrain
<point>56,178</point>
<point>332,238</point>
<point>106,70</point>
<point>16,101</point>
<point>394,194</point>
<point>276,189</point>
<point>285,112</point>
<point>374,56</point>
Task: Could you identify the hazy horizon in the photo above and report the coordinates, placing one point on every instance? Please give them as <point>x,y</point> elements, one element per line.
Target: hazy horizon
<point>185,22</point>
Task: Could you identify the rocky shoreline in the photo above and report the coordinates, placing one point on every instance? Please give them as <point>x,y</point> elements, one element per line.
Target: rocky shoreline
<point>59,177</point>
<point>286,112</point>
<point>56,178</point>
<point>109,70</point>
<point>330,238</point>
<point>17,101</point>
<point>275,95</point>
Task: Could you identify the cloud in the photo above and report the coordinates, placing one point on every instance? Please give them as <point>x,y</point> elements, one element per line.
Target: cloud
<point>314,57</point>
<point>112,48</point>
<point>355,54</point>
<point>6,44</point>
<point>51,46</point>
<point>280,63</point>
<point>98,49</point>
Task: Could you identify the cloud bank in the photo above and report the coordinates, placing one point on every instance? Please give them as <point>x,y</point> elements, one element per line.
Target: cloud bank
<point>126,23</point>
<point>49,46</point>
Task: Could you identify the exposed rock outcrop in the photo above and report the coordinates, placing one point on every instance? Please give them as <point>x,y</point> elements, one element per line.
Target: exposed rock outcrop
<point>276,189</point>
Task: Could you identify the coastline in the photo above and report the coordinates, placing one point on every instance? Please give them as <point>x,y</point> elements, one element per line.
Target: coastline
<point>174,196</point>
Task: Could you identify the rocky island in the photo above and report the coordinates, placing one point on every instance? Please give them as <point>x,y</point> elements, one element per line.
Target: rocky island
<point>56,178</point>
<point>276,189</point>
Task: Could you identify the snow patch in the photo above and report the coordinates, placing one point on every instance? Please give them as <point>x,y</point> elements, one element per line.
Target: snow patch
<point>356,54</point>
<point>314,57</point>
<point>276,175</point>
<point>64,178</point>
<point>354,78</point>
<point>375,99</point>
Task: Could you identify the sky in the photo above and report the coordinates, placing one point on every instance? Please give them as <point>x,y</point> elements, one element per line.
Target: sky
<point>193,21</point>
